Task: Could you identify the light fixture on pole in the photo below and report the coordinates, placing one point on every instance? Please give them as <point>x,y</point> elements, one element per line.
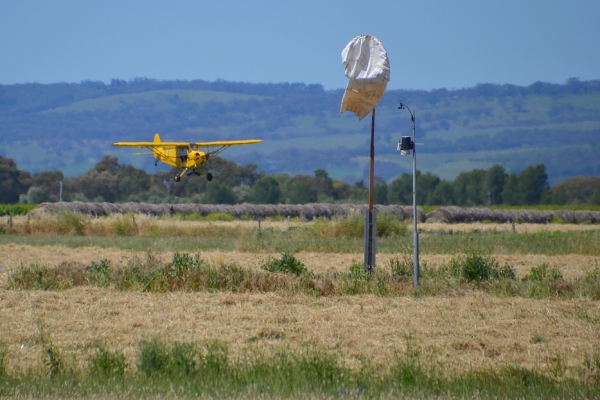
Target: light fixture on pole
<point>405,145</point>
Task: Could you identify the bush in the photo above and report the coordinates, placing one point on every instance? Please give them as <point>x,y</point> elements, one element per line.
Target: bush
<point>390,225</point>
<point>125,226</point>
<point>70,223</point>
<point>402,267</point>
<point>542,273</point>
<point>99,274</point>
<point>351,226</point>
<point>287,264</point>
<point>477,267</point>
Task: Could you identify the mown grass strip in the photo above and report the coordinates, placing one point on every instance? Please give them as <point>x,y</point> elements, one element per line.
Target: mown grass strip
<point>192,369</point>
<point>547,243</point>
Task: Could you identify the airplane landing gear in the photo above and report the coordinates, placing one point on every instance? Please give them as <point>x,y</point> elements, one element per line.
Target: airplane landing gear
<point>177,178</point>
<point>209,177</point>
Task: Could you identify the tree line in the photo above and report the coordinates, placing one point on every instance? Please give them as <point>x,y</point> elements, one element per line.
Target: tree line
<point>112,182</point>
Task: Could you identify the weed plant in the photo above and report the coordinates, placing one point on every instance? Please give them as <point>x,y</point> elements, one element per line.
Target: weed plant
<point>352,226</point>
<point>205,369</point>
<point>107,364</point>
<point>70,223</point>
<point>125,226</point>
<point>473,271</point>
<point>287,264</point>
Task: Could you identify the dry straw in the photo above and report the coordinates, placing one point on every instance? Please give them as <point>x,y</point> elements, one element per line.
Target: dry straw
<point>451,214</point>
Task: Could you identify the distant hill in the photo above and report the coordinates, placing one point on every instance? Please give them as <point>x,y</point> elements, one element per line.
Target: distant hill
<point>71,126</point>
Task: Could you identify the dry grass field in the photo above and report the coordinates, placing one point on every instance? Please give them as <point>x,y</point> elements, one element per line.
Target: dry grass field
<point>460,329</point>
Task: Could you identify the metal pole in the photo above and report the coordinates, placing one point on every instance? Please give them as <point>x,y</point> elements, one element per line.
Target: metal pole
<point>370,246</point>
<point>415,232</point>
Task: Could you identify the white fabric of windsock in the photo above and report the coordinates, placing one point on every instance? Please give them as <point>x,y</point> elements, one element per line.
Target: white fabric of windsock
<point>367,67</point>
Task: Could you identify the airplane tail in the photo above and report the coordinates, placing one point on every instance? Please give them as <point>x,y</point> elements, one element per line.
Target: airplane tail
<point>156,149</point>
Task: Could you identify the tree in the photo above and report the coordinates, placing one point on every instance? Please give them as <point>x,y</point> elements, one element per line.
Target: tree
<point>510,194</point>
<point>426,184</point>
<point>265,191</point>
<point>442,195</point>
<point>400,190</point>
<point>324,182</point>
<point>495,179</point>
<point>578,190</point>
<point>595,199</point>
<point>380,193</point>
<point>533,184</point>
<point>218,193</point>
<point>45,187</point>
<point>468,188</point>
<point>300,189</point>
<point>13,182</point>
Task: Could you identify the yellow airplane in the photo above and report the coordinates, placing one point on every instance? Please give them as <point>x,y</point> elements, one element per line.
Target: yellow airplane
<point>184,155</point>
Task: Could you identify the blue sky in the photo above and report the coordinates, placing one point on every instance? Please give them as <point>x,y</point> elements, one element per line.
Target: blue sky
<point>431,44</point>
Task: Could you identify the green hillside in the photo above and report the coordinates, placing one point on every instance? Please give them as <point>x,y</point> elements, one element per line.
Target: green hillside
<point>71,126</point>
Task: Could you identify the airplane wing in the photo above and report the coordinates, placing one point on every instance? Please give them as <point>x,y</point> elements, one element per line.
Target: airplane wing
<point>225,143</point>
<point>153,144</point>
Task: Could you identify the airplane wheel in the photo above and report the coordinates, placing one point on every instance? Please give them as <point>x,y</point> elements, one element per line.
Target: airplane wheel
<point>209,177</point>
<point>177,178</point>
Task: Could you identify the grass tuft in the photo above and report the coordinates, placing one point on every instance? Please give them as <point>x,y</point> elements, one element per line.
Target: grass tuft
<point>70,223</point>
<point>107,364</point>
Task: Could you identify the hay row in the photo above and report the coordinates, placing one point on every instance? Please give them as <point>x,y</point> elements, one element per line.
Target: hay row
<point>460,215</point>
<point>254,211</point>
<point>311,211</point>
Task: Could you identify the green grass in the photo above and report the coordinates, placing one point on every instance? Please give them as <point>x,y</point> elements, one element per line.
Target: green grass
<point>474,271</point>
<point>205,369</point>
<point>16,209</point>
<point>305,239</point>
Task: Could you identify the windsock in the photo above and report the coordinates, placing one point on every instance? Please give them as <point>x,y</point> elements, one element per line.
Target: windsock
<point>367,67</point>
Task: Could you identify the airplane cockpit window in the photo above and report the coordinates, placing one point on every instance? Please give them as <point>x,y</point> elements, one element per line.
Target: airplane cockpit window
<point>182,154</point>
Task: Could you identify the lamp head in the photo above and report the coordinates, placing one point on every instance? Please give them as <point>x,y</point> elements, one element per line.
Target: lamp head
<point>406,145</point>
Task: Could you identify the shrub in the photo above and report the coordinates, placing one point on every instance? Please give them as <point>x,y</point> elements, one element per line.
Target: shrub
<point>390,225</point>
<point>125,226</point>
<point>218,217</point>
<point>98,273</point>
<point>35,276</point>
<point>287,264</point>
<point>402,267</point>
<point>477,267</point>
<point>350,226</point>
<point>70,223</point>
<point>542,272</point>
